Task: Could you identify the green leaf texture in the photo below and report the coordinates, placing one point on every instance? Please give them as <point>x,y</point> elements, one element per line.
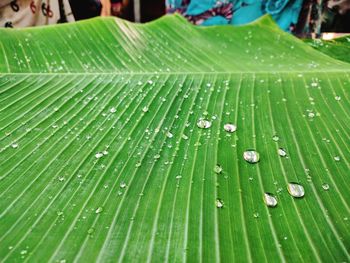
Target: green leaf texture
<point>101,158</point>
<point>338,48</point>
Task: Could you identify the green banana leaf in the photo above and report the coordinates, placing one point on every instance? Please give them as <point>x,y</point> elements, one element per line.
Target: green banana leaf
<point>338,48</point>
<point>113,144</point>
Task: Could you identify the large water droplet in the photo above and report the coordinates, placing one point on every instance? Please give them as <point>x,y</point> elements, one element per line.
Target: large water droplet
<point>270,200</point>
<point>251,156</point>
<point>218,169</point>
<point>203,124</point>
<point>296,190</point>
<point>219,203</point>
<point>229,127</point>
<point>282,152</point>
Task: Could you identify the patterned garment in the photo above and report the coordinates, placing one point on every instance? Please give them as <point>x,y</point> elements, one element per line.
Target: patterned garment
<point>23,13</point>
<point>237,12</point>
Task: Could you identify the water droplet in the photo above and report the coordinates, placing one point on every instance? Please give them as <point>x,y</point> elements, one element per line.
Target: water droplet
<point>219,203</point>
<point>203,124</point>
<point>311,114</point>
<point>61,178</point>
<point>256,215</point>
<point>14,145</point>
<point>99,210</point>
<point>157,156</point>
<point>218,169</point>
<point>337,158</point>
<point>338,98</point>
<point>184,136</point>
<point>296,190</point>
<point>122,185</point>
<point>24,252</point>
<point>113,110</point>
<point>282,152</point>
<point>59,213</point>
<point>169,135</point>
<point>251,156</point>
<point>229,127</point>
<point>91,231</point>
<point>270,200</point>
<point>325,187</point>
<point>145,109</point>
<point>275,138</point>
<point>98,155</point>
<point>138,164</point>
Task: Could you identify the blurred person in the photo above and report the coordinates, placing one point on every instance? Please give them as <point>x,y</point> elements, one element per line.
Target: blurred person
<point>114,7</point>
<point>23,13</point>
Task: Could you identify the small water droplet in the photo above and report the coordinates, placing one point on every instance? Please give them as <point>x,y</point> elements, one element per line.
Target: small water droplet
<point>338,98</point>
<point>61,178</point>
<point>311,114</point>
<point>122,185</point>
<point>282,152</point>
<point>337,158</point>
<point>256,215</point>
<point>218,169</point>
<point>112,110</point>
<point>229,127</point>
<point>14,145</point>
<point>59,213</point>
<point>296,190</point>
<point>157,156</point>
<point>91,231</point>
<point>275,138</point>
<point>184,136</point>
<point>138,164</point>
<point>219,203</point>
<point>24,252</point>
<point>203,124</point>
<point>98,155</point>
<point>99,210</point>
<point>270,200</point>
<point>325,187</point>
<point>145,109</point>
<point>169,135</point>
<point>251,156</point>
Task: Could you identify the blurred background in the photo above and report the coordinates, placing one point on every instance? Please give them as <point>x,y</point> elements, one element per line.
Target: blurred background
<point>303,18</point>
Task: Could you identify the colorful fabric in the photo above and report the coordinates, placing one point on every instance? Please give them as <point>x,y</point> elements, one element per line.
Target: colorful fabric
<point>236,12</point>
<point>23,13</point>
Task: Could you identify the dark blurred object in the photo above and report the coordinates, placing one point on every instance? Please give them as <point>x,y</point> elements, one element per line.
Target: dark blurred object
<point>337,17</point>
<point>152,11</point>
<point>83,9</point>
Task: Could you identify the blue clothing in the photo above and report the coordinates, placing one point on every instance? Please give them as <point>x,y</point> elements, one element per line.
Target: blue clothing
<point>237,12</point>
